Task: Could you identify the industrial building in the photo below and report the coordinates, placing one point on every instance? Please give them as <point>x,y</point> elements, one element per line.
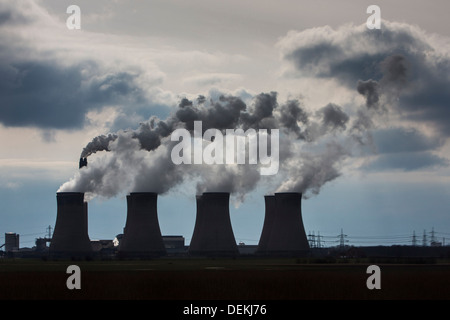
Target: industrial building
<point>283,232</point>
<point>11,242</point>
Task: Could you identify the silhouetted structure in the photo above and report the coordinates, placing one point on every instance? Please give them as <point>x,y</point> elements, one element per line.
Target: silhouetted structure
<point>11,241</point>
<point>269,217</point>
<point>199,219</point>
<point>142,235</point>
<point>213,233</point>
<point>70,236</point>
<point>83,163</point>
<point>287,235</point>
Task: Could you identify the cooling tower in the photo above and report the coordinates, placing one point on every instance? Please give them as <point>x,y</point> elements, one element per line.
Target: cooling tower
<point>269,217</point>
<point>288,236</point>
<point>70,236</point>
<point>142,235</point>
<point>195,240</point>
<point>213,233</point>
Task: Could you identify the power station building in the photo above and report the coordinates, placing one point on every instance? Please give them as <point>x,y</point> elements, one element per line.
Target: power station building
<point>213,233</point>
<point>11,241</point>
<point>283,232</point>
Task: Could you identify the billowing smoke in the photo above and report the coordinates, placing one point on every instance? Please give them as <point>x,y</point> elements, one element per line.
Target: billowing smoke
<point>312,148</point>
<point>313,144</point>
<point>398,72</point>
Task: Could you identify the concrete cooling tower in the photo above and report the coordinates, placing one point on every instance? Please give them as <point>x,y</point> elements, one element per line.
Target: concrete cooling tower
<point>287,233</point>
<point>269,217</point>
<point>195,240</point>
<point>142,235</point>
<point>70,236</point>
<point>213,233</point>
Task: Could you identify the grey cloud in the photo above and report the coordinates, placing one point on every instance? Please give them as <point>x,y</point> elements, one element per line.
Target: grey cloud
<point>8,16</point>
<point>51,96</point>
<point>401,140</point>
<point>38,89</point>
<point>405,162</point>
<point>350,53</point>
<point>404,149</point>
<point>397,69</point>
<point>42,95</point>
<point>369,89</point>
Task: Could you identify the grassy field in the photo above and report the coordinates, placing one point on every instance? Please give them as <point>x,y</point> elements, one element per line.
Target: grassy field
<point>224,279</point>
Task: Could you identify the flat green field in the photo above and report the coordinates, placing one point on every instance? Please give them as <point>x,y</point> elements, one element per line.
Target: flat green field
<point>224,279</point>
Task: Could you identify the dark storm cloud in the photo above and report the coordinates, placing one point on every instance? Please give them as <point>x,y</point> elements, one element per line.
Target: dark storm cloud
<point>405,149</point>
<point>395,69</point>
<point>54,85</point>
<point>400,140</point>
<point>12,17</point>
<point>369,89</point>
<point>405,162</point>
<point>350,53</point>
<point>48,95</point>
<point>398,69</point>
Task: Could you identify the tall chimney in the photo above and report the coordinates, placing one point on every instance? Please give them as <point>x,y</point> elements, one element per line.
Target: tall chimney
<point>213,233</point>
<point>70,236</point>
<point>142,235</point>
<point>288,236</point>
<point>83,163</point>
<point>269,217</point>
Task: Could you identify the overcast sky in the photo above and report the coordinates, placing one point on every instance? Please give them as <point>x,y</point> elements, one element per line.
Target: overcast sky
<point>365,113</point>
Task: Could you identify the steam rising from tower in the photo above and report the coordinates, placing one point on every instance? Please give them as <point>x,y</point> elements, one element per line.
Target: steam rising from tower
<point>312,149</point>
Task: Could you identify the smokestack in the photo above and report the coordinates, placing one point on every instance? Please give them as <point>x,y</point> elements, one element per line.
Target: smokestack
<point>213,233</point>
<point>142,235</point>
<point>83,163</point>
<point>288,236</point>
<point>70,236</point>
<point>269,217</point>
